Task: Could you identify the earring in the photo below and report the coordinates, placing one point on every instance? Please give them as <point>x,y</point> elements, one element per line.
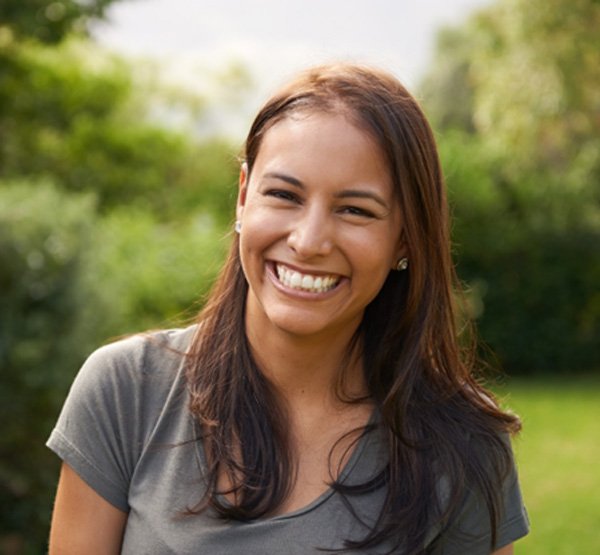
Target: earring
<point>238,226</point>
<point>402,264</point>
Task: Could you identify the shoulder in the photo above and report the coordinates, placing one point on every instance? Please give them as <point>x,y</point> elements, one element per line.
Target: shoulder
<point>491,478</point>
<point>144,349</point>
<point>135,373</point>
<point>116,403</point>
<point>138,357</point>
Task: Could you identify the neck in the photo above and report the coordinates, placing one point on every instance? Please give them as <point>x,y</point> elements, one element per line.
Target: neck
<point>306,369</point>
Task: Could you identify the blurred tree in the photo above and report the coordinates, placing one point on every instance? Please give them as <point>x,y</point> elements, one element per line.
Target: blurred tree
<point>49,21</point>
<point>525,77</point>
<point>111,221</point>
<point>75,115</point>
<point>70,279</point>
<point>43,235</point>
<point>538,68</point>
<point>521,148</point>
<point>447,86</point>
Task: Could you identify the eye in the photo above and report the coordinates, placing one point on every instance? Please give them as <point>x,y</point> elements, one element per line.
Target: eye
<point>282,194</point>
<point>357,211</point>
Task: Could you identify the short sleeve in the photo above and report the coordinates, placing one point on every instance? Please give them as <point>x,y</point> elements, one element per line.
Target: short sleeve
<point>470,531</point>
<point>98,432</point>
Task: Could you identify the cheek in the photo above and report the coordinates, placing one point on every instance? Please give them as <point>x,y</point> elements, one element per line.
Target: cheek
<point>262,224</point>
<point>259,233</point>
<point>372,251</point>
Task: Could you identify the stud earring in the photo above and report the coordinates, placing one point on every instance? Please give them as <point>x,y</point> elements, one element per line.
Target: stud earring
<point>238,226</point>
<point>402,264</point>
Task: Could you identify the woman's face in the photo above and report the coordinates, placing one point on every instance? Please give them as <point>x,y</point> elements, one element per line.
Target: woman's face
<point>321,227</point>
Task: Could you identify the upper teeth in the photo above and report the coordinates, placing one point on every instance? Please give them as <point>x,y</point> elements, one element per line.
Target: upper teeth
<point>296,280</point>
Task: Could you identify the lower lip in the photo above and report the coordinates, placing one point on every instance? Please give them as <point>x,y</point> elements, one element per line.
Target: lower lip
<point>300,293</point>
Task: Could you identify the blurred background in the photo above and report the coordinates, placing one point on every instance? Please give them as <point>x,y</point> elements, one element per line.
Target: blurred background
<point>120,126</point>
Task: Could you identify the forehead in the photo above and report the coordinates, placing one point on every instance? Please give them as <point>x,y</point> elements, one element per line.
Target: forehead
<point>327,157</point>
<point>325,140</point>
<point>331,110</point>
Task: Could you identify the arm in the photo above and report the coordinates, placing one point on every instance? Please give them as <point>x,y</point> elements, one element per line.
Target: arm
<point>83,521</point>
<point>506,550</point>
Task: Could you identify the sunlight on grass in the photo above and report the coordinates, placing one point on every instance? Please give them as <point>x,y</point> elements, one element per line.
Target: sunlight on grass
<point>558,454</point>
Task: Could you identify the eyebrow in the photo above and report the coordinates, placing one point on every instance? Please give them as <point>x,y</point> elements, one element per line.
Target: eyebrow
<point>347,193</point>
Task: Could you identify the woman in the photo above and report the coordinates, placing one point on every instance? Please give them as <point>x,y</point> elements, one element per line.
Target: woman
<point>322,401</point>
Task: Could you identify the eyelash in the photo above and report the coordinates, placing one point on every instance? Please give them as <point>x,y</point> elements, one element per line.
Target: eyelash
<point>284,195</point>
<point>355,211</point>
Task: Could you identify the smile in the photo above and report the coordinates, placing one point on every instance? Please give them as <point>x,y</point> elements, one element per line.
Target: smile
<point>306,282</point>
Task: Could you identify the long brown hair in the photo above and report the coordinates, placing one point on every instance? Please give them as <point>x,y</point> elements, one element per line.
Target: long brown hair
<point>437,419</point>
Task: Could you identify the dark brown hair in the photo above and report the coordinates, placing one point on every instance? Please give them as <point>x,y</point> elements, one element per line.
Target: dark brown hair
<point>437,419</point>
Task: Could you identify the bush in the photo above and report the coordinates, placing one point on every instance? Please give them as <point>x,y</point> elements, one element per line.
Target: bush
<point>43,234</point>
<point>528,253</point>
<point>69,280</point>
<point>72,114</point>
<point>146,273</point>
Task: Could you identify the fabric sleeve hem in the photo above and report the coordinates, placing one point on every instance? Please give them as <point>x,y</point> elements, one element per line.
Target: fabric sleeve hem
<point>513,530</point>
<point>87,471</point>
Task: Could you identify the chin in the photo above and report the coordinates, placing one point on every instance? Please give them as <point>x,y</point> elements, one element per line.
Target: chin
<point>309,325</point>
<point>293,325</point>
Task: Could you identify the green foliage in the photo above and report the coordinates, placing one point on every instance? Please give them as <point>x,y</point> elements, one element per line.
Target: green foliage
<point>110,223</point>
<point>447,87</point>
<point>147,274</point>
<point>70,113</point>
<point>49,20</point>
<point>43,234</point>
<point>522,158</point>
<point>529,254</point>
<point>69,280</point>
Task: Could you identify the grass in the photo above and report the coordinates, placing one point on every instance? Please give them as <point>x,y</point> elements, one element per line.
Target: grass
<point>558,454</point>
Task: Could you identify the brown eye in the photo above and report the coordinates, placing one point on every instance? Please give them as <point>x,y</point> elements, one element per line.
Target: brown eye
<point>356,211</point>
<point>282,194</point>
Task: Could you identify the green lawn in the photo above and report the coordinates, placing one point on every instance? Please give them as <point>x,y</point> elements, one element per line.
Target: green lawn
<point>558,454</point>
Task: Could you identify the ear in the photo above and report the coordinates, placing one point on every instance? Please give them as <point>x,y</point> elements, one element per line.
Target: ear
<point>401,250</point>
<point>243,187</point>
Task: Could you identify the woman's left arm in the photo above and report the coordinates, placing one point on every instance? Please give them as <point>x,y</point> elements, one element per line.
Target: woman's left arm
<point>506,550</point>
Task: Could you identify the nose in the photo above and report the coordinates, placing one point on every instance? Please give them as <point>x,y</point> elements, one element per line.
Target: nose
<point>311,234</point>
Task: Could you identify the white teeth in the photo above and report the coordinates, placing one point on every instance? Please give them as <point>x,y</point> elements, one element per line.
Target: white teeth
<point>306,282</point>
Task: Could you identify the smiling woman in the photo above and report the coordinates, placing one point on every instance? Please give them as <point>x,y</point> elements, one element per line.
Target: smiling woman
<point>322,185</point>
<point>321,401</point>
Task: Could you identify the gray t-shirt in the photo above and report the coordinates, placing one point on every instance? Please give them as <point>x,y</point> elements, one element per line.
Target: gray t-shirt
<point>126,430</point>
